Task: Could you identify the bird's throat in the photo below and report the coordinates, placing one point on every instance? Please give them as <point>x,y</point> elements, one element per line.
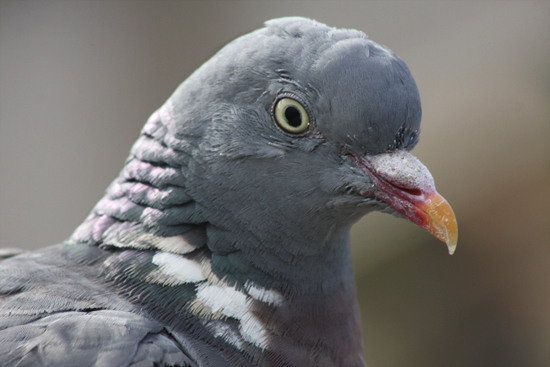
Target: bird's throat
<point>317,329</point>
<point>317,322</point>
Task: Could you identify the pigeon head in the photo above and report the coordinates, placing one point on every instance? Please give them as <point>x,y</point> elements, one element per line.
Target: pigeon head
<point>278,119</point>
<point>276,146</point>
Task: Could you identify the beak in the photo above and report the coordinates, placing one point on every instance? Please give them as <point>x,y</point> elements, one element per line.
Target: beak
<point>406,185</point>
<point>439,219</point>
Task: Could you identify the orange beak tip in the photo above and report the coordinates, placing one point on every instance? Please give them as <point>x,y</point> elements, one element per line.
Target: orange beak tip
<point>440,220</point>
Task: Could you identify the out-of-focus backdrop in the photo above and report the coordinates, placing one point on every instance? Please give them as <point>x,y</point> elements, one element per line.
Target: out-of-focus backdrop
<point>78,79</point>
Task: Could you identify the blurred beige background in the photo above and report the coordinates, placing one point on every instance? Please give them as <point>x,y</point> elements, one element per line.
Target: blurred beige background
<point>78,79</point>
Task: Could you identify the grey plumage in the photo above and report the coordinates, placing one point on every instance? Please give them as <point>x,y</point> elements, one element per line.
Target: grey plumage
<point>224,240</point>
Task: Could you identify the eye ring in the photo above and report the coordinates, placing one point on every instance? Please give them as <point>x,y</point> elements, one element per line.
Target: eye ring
<point>291,116</point>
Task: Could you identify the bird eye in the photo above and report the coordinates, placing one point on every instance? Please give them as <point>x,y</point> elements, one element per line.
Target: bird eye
<point>291,116</point>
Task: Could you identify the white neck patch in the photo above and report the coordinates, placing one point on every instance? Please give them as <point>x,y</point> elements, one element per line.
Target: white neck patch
<point>216,300</point>
<point>181,268</point>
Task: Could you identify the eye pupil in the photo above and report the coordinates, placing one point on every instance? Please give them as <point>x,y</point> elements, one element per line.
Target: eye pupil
<point>293,116</point>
